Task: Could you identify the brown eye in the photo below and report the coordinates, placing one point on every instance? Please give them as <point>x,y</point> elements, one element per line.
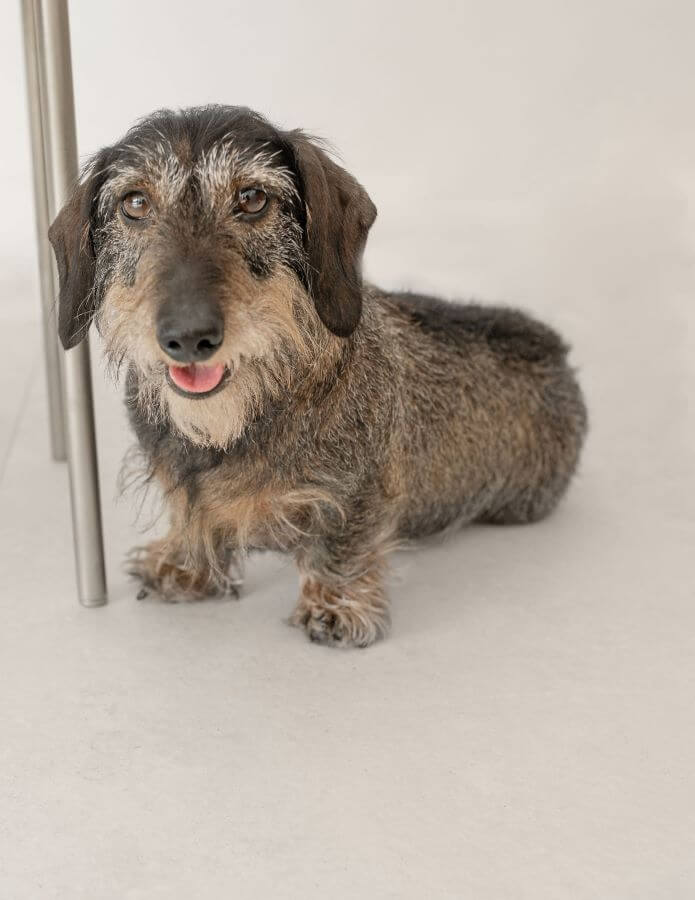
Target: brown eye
<point>135,205</point>
<point>252,200</point>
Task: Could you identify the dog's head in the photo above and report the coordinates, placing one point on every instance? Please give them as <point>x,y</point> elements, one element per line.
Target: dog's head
<point>209,246</point>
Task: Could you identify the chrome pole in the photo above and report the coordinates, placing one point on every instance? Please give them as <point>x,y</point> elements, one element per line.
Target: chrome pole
<point>51,349</point>
<point>61,153</point>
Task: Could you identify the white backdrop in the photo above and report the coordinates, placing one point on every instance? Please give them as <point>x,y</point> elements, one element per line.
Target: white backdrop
<point>522,151</point>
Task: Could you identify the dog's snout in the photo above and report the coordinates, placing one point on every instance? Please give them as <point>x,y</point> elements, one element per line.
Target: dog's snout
<point>190,326</point>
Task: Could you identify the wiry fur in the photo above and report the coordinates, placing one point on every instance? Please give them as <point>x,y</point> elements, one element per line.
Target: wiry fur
<point>352,419</point>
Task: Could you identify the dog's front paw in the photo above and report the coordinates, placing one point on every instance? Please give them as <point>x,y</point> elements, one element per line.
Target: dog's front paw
<point>164,575</point>
<point>355,615</point>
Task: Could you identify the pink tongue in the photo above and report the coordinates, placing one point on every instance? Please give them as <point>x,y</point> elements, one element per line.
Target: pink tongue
<point>196,379</point>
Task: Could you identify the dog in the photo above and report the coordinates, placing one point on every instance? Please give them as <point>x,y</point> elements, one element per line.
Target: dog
<point>280,402</point>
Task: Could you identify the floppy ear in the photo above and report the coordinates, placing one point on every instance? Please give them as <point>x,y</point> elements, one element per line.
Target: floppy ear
<point>71,237</point>
<point>339,214</point>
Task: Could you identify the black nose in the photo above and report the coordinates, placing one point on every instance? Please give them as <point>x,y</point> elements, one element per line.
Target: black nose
<point>187,342</point>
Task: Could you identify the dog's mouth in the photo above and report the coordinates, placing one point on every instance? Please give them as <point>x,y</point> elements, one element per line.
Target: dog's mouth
<point>196,380</point>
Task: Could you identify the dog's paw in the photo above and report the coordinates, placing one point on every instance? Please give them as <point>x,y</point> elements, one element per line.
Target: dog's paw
<point>333,628</point>
<point>168,580</point>
<point>340,619</point>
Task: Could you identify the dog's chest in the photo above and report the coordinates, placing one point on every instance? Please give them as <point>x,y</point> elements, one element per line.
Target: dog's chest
<point>244,510</point>
<point>238,498</point>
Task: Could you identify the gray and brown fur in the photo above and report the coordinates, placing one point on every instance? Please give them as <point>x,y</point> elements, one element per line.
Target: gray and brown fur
<point>351,419</point>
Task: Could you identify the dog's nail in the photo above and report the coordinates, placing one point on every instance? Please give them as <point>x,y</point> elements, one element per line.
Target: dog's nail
<point>141,594</point>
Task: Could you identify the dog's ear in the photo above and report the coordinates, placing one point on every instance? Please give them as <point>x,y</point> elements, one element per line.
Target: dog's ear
<point>338,214</point>
<point>71,238</point>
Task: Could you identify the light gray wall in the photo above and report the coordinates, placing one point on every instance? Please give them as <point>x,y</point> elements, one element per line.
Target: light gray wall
<point>524,151</point>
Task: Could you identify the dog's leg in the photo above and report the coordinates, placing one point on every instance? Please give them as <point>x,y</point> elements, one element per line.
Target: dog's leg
<point>174,570</point>
<point>343,602</point>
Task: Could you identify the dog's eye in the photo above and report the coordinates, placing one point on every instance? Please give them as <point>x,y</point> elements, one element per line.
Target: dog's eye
<point>252,200</point>
<point>136,205</point>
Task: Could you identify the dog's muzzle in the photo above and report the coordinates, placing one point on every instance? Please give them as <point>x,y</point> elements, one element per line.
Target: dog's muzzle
<point>190,325</point>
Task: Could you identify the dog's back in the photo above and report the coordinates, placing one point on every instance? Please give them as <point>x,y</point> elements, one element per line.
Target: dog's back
<point>511,334</point>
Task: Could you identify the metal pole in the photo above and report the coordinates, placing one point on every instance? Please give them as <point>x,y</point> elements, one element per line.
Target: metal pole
<point>54,380</point>
<point>61,153</point>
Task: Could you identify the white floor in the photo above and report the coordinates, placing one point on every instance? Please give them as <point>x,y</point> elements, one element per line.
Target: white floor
<point>527,731</point>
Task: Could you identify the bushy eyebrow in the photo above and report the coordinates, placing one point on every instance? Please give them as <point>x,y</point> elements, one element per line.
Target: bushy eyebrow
<point>142,167</point>
<point>226,162</point>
